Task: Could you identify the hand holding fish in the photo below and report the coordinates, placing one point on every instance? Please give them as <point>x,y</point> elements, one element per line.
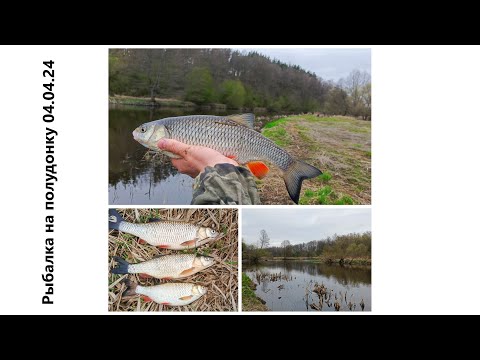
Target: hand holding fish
<point>193,159</point>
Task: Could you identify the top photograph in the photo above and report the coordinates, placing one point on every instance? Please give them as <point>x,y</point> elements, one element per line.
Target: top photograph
<point>240,126</point>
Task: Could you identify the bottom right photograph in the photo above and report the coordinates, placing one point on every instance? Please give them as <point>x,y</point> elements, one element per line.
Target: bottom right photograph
<point>309,259</point>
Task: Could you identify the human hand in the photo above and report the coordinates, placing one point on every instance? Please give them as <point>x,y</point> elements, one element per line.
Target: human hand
<point>194,159</point>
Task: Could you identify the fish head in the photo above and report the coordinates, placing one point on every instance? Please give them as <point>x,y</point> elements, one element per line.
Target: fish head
<point>149,134</point>
<point>211,233</point>
<point>204,261</point>
<point>206,234</point>
<point>198,290</point>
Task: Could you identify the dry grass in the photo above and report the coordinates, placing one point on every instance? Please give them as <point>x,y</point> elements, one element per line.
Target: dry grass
<point>339,146</point>
<point>221,279</point>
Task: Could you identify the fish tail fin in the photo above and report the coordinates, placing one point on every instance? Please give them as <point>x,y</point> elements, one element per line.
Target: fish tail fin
<point>122,266</point>
<point>114,219</point>
<point>296,172</point>
<point>131,288</point>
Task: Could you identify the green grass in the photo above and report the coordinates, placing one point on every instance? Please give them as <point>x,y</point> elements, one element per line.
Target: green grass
<point>247,291</point>
<point>309,193</point>
<point>325,177</point>
<point>250,301</point>
<point>324,196</point>
<point>278,135</point>
<point>275,123</point>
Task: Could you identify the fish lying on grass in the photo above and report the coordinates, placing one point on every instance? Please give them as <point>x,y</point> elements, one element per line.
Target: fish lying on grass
<point>234,137</point>
<point>175,266</point>
<point>175,235</point>
<point>172,294</point>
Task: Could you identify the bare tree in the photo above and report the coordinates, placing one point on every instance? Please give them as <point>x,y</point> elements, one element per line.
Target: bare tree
<point>285,244</point>
<point>354,85</point>
<point>264,239</point>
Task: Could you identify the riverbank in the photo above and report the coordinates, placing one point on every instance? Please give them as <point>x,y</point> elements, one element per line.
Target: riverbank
<point>339,146</point>
<point>146,101</point>
<point>174,103</point>
<point>250,301</point>
<point>321,260</point>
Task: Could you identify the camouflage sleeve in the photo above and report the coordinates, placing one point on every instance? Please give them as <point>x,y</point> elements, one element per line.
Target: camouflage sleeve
<point>225,184</point>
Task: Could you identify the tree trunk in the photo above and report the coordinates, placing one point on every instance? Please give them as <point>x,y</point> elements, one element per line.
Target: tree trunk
<point>152,95</point>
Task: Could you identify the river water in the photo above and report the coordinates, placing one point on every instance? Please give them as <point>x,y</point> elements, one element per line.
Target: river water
<point>133,179</point>
<point>288,285</point>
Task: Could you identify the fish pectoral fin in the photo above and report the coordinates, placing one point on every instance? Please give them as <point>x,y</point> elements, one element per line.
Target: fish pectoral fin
<point>190,243</point>
<point>188,297</point>
<point>141,241</point>
<point>188,272</point>
<point>163,246</point>
<point>165,303</point>
<point>243,119</point>
<point>258,168</point>
<point>144,276</point>
<point>146,299</point>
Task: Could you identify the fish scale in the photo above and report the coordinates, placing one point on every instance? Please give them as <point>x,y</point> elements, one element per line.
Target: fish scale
<point>230,136</point>
<point>170,293</point>
<point>161,233</point>
<point>224,135</point>
<point>170,266</point>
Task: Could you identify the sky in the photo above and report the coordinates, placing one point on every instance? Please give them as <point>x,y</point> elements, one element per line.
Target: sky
<point>302,225</point>
<point>329,64</point>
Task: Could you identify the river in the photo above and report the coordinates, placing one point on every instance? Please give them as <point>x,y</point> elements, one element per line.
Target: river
<point>133,179</point>
<point>288,285</point>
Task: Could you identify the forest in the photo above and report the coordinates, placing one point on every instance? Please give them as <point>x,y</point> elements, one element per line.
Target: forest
<point>353,245</point>
<point>238,80</point>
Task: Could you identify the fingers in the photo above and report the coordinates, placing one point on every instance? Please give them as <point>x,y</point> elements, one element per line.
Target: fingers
<point>173,146</point>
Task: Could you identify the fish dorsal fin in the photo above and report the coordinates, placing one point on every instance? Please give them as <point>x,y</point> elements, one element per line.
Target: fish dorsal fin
<point>152,220</point>
<point>243,119</point>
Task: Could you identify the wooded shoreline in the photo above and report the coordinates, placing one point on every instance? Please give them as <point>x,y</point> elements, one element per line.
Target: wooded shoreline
<point>341,262</point>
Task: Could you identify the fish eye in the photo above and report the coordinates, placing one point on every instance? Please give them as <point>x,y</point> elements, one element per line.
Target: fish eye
<point>143,129</point>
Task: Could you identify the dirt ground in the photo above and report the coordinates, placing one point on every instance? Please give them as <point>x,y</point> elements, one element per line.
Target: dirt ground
<point>338,146</point>
<point>220,279</point>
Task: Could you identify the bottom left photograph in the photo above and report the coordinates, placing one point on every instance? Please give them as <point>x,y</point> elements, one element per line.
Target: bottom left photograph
<point>173,260</point>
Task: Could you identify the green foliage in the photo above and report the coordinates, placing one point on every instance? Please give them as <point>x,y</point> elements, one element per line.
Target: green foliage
<point>199,86</point>
<point>253,253</point>
<point>233,93</point>
<point>242,79</point>
<point>353,245</point>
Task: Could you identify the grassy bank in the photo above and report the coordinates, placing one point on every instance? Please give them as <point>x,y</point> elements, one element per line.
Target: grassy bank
<point>339,146</point>
<point>250,301</point>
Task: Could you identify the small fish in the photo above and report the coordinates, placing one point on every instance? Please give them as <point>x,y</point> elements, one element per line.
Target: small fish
<point>234,137</point>
<point>175,266</point>
<point>171,294</point>
<point>175,235</point>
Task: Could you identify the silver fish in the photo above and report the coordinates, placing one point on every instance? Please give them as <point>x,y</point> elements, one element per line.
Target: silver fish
<point>174,266</point>
<point>172,294</point>
<point>175,235</point>
<point>234,137</point>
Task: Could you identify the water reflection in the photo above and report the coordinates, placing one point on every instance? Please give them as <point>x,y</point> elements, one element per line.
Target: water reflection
<point>133,179</point>
<point>289,285</point>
